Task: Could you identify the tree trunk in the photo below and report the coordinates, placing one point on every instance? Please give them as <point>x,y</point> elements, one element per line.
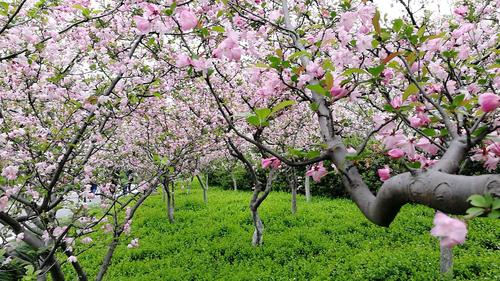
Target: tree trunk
<point>258,234</point>
<point>293,189</point>
<point>190,181</point>
<point>169,201</point>
<point>307,187</point>
<point>235,184</point>
<point>173,195</point>
<point>255,202</point>
<point>107,259</point>
<point>446,262</point>
<point>205,188</point>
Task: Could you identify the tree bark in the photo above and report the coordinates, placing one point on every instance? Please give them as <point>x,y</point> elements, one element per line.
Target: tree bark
<point>169,201</point>
<point>205,188</point>
<point>446,262</point>
<point>307,187</point>
<point>107,259</point>
<point>235,184</point>
<point>258,234</point>
<point>293,189</point>
<point>255,202</point>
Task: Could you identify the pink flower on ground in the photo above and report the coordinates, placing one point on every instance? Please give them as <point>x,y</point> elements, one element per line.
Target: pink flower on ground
<point>4,201</point>
<point>489,102</point>
<point>10,172</point>
<point>272,162</point>
<point>134,243</point>
<point>317,172</point>
<point>144,25</point>
<point>396,153</point>
<point>384,173</point>
<point>187,20</point>
<point>451,231</point>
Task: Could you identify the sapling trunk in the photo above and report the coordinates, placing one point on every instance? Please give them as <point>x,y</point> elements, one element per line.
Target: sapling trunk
<point>446,262</point>
<point>204,188</point>
<point>307,187</point>
<point>169,201</point>
<point>235,184</point>
<point>258,234</point>
<point>255,202</point>
<point>293,188</point>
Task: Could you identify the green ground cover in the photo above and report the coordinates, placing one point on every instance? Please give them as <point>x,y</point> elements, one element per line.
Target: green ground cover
<point>326,240</point>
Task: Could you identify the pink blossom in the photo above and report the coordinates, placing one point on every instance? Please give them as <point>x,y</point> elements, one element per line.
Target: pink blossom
<point>4,202</point>
<point>314,69</point>
<point>317,171</point>
<point>182,60</point>
<point>387,74</point>
<point>338,92</point>
<point>397,102</point>
<point>10,172</point>
<point>489,102</point>
<point>187,20</point>
<point>200,64</point>
<point>461,11</point>
<point>384,173</point>
<point>72,259</point>
<point>495,148</point>
<point>451,231</point>
<point>427,146</point>
<point>144,25</point>
<point>396,153</point>
<point>272,162</point>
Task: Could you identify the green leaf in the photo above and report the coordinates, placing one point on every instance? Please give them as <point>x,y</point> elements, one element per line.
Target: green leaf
<point>313,154</point>
<point>4,8</point>
<point>429,132</point>
<point>328,80</point>
<point>317,88</point>
<point>376,22</point>
<point>375,71</point>
<point>275,62</point>
<point>496,204</point>
<point>457,101</point>
<point>350,71</point>
<point>253,120</point>
<point>299,54</point>
<point>411,90</point>
<point>397,24</point>
<point>478,201</point>
<point>218,28</point>
<point>414,165</point>
<point>474,212</point>
<point>495,214</point>
<point>282,105</point>
<point>450,54</point>
<point>263,113</point>
<point>314,106</point>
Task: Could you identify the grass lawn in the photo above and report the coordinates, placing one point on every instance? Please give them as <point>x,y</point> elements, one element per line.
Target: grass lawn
<point>326,240</point>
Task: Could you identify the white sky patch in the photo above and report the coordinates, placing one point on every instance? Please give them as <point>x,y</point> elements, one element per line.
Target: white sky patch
<point>394,9</point>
